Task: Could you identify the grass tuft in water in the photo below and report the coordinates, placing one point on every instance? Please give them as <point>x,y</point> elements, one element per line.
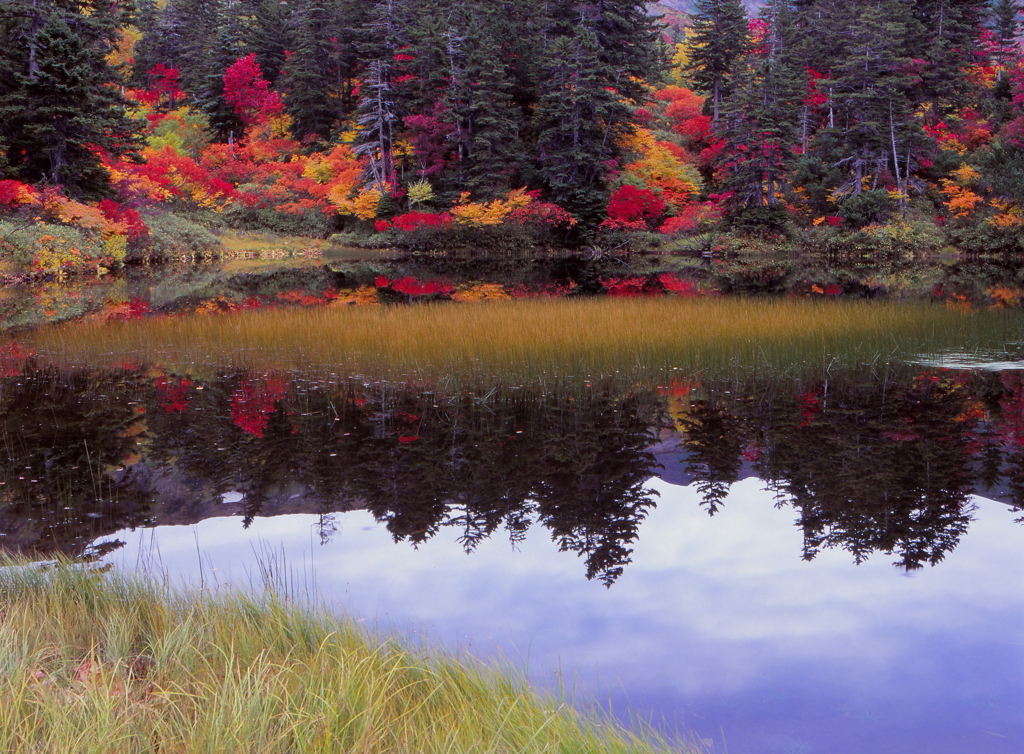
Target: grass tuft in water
<point>102,662</point>
<point>537,341</point>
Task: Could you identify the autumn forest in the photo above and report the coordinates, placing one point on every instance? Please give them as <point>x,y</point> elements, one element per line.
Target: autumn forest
<point>128,130</point>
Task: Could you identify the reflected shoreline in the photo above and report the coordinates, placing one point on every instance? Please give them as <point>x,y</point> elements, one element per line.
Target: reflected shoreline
<point>881,465</point>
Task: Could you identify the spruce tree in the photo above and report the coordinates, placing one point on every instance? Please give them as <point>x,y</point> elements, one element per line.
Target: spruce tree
<point>319,78</point>
<point>718,39</point>
<point>60,103</point>
<point>760,117</point>
<point>950,45</point>
<point>578,120</point>
<point>1005,25</point>
<point>229,44</point>
<point>872,132</point>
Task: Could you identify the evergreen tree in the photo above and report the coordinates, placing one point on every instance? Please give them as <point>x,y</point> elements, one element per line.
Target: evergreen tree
<point>578,121</point>
<point>760,118</point>
<point>229,44</point>
<point>950,45</point>
<point>1005,26</point>
<point>717,41</point>
<point>271,35</point>
<point>320,75</point>
<point>60,104</point>
<point>494,122</point>
<point>591,70</point>
<point>871,131</point>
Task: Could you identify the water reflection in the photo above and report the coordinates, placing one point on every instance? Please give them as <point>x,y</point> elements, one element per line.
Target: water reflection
<point>871,466</point>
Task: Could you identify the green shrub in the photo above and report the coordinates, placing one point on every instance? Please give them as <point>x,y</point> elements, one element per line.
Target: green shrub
<point>896,239</point>
<point>314,222</point>
<point>981,237</point>
<point>172,236</point>
<point>760,221</point>
<point>866,208</point>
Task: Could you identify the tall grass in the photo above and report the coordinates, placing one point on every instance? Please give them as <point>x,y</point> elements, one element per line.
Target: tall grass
<point>100,662</point>
<point>546,339</point>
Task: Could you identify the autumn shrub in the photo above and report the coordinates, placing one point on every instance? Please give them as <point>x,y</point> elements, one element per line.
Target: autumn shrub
<point>49,247</point>
<point>14,194</point>
<point>632,208</point>
<point>171,236</point>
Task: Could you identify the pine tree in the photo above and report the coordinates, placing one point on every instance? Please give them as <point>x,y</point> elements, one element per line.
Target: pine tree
<point>718,39</point>
<point>61,104</point>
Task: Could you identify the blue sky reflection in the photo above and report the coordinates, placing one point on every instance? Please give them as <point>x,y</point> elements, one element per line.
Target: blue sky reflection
<point>717,625</point>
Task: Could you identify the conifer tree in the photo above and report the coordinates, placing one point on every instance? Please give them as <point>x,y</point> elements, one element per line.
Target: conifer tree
<point>320,75</point>
<point>950,45</point>
<point>760,117</point>
<point>872,133</point>
<point>1005,26</point>
<point>60,103</point>
<point>578,120</point>
<point>718,39</point>
<point>229,44</point>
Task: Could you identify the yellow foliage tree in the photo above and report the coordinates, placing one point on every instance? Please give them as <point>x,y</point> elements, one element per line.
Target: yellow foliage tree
<point>1010,215</point>
<point>363,205</point>
<point>960,199</point>
<point>480,214</point>
<point>661,170</point>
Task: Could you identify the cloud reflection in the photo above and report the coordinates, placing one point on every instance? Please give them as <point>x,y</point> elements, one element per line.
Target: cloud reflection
<point>717,624</point>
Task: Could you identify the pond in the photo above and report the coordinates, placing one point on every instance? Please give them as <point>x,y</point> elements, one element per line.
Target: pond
<point>769,565</point>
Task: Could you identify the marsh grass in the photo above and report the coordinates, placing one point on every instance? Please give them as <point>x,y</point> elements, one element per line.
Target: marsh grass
<point>101,662</point>
<point>548,340</point>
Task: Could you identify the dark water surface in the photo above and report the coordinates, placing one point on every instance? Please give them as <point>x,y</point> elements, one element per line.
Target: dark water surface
<point>832,566</point>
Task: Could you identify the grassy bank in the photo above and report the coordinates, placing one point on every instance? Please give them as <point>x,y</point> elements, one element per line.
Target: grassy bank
<point>94,662</point>
<point>542,340</point>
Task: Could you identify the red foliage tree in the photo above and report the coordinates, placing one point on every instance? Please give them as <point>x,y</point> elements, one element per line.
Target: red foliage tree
<point>632,208</point>
<point>249,93</point>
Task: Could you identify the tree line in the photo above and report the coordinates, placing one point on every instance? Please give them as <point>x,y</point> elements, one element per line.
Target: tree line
<point>844,111</point>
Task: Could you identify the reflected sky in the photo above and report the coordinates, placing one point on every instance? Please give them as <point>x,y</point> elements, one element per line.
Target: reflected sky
<point>718,626</point>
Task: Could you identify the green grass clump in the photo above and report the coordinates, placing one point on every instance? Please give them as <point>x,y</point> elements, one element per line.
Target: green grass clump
<point>544,340</point>
<point>101,662</point>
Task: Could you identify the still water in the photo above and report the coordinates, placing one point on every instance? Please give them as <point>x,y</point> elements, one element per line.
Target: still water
<point>828,566</point>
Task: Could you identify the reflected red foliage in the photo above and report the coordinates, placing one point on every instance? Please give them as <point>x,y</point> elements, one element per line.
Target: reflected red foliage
<point>254,401</point>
